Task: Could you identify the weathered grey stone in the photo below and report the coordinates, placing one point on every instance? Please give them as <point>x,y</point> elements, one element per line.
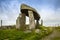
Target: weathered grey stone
<point>20,22</point>
<point>23,21</point>
<point>31,20</point>
<point>27,31</point>
<point>37,30</point>
<point>37,24</point>
<point>1,23</point>
<point>25,8</point>
<point>41,22</point>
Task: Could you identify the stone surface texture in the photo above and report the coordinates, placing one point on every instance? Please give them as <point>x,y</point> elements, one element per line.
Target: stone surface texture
<point>31,20</point>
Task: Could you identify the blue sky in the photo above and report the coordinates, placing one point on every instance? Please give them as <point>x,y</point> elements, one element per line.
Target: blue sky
<point>49,10</point>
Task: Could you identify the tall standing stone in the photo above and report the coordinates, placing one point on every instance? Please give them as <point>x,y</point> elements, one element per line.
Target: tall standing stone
<point>31,20</point>
<point>41,22</point>
<point>1,23</point>
<point>23,21</point>
<point>37,24</point>
<point>18,22</point>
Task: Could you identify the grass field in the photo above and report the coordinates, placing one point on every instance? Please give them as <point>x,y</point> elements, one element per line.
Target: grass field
<point>13,34</point>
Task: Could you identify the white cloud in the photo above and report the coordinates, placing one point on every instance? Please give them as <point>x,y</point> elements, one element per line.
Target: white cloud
<point>9,12</point>
<point>50,16</point>
<point>12,10</point>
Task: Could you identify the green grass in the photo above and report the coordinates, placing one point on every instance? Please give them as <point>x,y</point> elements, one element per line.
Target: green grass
<point>56,38</point>
<point>13,34</point>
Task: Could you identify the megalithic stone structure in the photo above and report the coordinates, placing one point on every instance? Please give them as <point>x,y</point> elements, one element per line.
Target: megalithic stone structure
<point>31,13</point>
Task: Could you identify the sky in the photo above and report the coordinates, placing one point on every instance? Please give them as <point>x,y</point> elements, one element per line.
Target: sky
<point>49,10</point>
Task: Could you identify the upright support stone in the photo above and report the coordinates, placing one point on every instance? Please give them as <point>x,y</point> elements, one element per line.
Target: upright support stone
<point>23,21</point>
<point>31,20</point>
<point>20,22</point>
<point>17,23</point>
<point>37,23</point>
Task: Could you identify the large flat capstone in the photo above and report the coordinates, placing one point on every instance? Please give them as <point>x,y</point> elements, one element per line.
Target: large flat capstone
<point>25,8</point>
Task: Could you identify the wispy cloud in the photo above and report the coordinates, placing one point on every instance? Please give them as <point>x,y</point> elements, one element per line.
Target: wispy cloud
<point>48,9</point>
<point>9,11</point>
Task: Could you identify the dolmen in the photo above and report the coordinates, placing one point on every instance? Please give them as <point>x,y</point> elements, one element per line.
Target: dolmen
<point>29,12</point>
